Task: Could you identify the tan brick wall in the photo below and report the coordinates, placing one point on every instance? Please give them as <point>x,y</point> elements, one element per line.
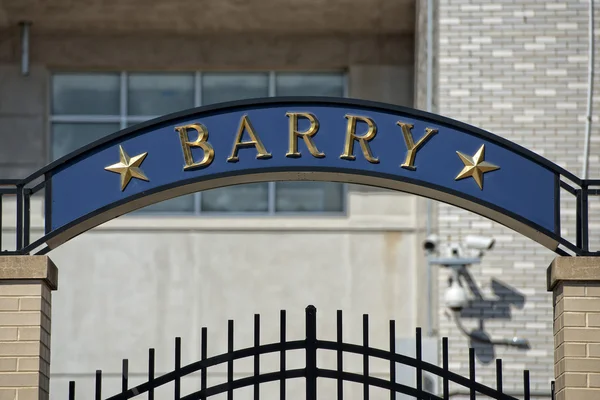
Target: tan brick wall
<point>24,339</point>
<point>26,284</point>
<point>577,340</point>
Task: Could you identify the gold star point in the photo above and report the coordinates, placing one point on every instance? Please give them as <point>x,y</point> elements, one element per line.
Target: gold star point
<point>475,166</point>
<point>128,167</point>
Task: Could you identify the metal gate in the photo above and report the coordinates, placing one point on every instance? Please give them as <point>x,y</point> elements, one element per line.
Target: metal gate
<point>310,372</point>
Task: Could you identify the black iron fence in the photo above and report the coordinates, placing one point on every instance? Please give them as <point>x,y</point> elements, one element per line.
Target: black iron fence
<point>311,372</point>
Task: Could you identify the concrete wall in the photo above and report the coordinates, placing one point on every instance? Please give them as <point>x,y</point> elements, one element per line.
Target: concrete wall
<point>156,286</point>
<point>23,119</point>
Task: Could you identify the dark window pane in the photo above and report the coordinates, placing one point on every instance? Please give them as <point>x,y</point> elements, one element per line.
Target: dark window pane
<point>252,197</point>
<point>182,204</point>
<point>289,84</point>
<point>217,88</point>
<point>69,137</point>
<point>159,94</point>
<point>85,94</point>
<point>309,197</point>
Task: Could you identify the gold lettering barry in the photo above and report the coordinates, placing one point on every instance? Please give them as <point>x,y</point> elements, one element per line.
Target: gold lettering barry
<point>307,135</point>
<point>201,141</point>
<point>363,140</point>
<point>411,147</point>
<point>246,125</point>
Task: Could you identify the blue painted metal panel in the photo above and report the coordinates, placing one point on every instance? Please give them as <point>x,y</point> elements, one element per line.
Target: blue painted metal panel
<point>523,187</point>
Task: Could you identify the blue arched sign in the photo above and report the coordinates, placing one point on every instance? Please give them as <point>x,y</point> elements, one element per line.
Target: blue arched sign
<point>321,139</point>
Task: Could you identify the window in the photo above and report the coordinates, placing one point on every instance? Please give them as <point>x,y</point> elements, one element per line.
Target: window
<point>86,107</point>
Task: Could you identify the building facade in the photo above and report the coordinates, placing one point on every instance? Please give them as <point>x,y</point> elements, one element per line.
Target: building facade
<point>518,70</point>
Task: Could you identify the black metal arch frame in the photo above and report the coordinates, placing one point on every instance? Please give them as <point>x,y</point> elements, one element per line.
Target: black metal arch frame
<point>311,344</point>
<point>24,189</point>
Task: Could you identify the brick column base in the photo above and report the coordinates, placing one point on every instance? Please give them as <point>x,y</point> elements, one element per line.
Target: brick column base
<point>26,283</point>
<point>575,283</point>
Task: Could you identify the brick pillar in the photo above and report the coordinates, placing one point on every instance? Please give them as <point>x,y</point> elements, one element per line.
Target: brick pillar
<point>575,283</point>
<point>26,283</point>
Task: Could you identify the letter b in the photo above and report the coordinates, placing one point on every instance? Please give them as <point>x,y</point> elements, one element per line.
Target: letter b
<point>201,141</point>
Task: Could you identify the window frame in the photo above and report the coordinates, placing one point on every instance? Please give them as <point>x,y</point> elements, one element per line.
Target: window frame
<point>123,120</point>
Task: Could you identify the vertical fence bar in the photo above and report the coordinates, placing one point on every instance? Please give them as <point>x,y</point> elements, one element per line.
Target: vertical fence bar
<point>27,217</point>
<point>203,356</point>
<point>230,360</point>
<point>1,199</point>
<point>499,375</point>
<point>419,369</point>
<point>19,217</point>
<point>472,373</point>
<point>151,374</point>
<point>177,382</point>
<point>578,219</point>
<point>584,217</point>
<point>282,325</point>
<point>72,390</point>
<point>526,391</point>
<point>125,375</point>
<point>311,353</point>
<point>365,357</point>
<point>256,356</point>
<point>392,354</point>
<point>446,388</point>
<point>98,395</point>
<point>340,356</point>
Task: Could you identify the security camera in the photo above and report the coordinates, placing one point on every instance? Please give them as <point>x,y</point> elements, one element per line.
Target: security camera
<point>455,296</point>
<point>454,251</point>
<point>520,343</point>
<point>479,242</point>
<point>431,243</point>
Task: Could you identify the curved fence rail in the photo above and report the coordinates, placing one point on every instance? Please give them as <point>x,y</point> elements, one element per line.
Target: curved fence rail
<point>311,372</point>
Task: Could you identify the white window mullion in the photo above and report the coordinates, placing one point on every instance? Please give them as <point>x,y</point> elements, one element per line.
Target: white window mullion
<point>138,118</point>
<point>197,103</point>
<point>346,91</point>
<point>123,100</point>
<point>99,119</point>
<point>197,89</point>
<point>271,190</point>
<point>271,198</point>
<point>272,84</point>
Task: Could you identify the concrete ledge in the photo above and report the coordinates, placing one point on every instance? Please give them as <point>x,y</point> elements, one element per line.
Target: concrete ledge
<point>572,269</point>
<point>29,268</point>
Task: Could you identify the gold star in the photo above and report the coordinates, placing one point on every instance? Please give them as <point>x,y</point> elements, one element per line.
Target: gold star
<point>128,167</point>
<point>475,166</point>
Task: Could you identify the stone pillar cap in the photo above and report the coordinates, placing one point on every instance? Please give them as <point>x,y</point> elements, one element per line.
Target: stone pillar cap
<point>20,268</point>
<point>573,269</point>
